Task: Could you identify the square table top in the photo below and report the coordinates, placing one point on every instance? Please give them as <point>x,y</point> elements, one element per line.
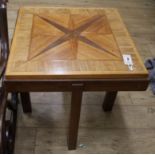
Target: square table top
<point>71,43</point>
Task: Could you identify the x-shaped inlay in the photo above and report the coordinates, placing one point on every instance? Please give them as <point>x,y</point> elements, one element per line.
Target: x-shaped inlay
<point>73,34</point>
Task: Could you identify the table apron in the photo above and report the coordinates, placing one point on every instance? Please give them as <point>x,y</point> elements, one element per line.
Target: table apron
<point>67,85</point>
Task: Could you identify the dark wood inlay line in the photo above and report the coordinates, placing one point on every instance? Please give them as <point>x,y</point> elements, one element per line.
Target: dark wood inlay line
<point>88,41</point>
<point>59,41</point>
<point>58,26</point>
<point>87,24</point>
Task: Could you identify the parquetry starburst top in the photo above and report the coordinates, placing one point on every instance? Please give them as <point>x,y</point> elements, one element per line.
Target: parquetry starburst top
<point>81,37</point>
<point>71,43</point>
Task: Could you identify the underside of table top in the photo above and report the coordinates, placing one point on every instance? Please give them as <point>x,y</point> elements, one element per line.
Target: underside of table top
<point>73,43</point>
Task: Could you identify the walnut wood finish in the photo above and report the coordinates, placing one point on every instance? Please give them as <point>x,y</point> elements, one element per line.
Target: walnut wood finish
<point>26,102</point>
<point>75,115</point>
<point>73,49</point>
<point>109,100</point>
<point>77,87</point>
<point>74,43</point>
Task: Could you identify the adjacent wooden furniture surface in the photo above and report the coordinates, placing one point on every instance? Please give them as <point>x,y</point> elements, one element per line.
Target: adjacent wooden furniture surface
<point>71,43</point>
<point>72,49</point>
<point>8,109</point>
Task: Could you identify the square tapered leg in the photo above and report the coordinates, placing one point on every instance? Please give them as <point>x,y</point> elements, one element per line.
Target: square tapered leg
<point>109,100</point>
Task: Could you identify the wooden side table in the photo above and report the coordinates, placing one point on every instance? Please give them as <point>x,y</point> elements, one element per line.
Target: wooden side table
<point>73,49</point>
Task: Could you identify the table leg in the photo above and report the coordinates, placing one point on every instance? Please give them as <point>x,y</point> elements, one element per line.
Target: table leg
<point>109,100</point>
<point>26,102</point>
<point>74,116</point>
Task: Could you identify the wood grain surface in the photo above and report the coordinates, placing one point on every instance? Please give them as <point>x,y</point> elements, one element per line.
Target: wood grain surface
<point>71,43</point>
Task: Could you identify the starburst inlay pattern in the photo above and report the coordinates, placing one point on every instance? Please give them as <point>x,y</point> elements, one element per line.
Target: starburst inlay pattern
<point>74,35</point>
<point>59,43</point>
